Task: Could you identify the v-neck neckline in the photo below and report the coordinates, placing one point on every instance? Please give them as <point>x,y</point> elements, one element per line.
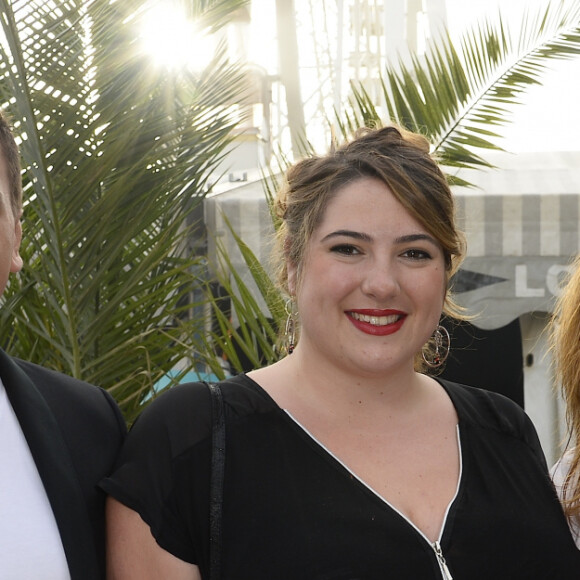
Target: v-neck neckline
<point>360,481</point>
<point>378,495</point>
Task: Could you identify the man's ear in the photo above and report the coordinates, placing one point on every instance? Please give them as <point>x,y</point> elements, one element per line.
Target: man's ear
<point>16,264</point>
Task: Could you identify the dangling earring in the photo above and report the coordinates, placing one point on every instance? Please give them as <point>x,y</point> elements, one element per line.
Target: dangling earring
<point>290,330</point>
<point>442,342</point>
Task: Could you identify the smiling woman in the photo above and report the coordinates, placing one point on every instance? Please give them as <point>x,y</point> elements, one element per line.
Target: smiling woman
<point>173,39</point>
<point>344,459</point>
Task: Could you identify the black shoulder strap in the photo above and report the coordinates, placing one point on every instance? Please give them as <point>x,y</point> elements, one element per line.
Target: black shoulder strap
<point>218,456</point>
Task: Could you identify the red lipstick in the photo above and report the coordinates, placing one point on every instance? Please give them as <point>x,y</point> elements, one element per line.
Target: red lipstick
<point>377,322</point>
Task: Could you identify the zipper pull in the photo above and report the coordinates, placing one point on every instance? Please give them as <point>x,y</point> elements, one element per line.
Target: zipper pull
<point>442,564</point>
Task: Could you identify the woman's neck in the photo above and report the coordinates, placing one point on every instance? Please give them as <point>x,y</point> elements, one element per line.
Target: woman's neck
<point>301,382</point>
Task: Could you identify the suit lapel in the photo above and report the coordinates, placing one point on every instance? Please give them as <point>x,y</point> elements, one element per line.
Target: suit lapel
<point>55,467</point>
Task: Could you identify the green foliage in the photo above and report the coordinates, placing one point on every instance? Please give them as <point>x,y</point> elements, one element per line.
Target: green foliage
<point>244,331</point>
<point>460,94</point>
<point>117,154</point>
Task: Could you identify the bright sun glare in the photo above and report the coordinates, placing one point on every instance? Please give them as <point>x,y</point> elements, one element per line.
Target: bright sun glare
<point>173,39</point>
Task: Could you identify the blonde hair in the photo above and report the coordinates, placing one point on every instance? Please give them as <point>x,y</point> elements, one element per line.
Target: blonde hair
<point>565,349</point>
<point>398,158</point>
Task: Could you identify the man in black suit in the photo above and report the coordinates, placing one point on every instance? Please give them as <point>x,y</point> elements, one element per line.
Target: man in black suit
<point>58,438</point>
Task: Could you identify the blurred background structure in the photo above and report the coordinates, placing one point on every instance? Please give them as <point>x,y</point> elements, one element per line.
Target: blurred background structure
<point>303,57</point>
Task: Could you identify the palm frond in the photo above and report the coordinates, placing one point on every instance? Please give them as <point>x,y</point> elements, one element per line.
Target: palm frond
<point>460,94</point>
<point>249,323</point>
<point>117,155</point>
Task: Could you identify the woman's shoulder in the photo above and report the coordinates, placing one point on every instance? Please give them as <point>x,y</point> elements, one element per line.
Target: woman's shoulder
<point>237,389</point>
<point>181,415</point>
<point>240,393</point>
<point>488,409</point>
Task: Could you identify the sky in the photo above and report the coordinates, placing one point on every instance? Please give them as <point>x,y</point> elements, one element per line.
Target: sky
<point>550,117</point>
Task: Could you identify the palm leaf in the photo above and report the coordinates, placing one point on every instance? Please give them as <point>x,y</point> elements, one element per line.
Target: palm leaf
<point>460,94</point>
<point>248,326</point>
<point>117,156</point>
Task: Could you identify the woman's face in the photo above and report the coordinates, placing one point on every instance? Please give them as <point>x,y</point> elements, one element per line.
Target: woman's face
<point>372,283</point>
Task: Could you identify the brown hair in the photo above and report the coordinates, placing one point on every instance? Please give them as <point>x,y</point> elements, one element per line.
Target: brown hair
<point>398,158</point>
<point>9,149</point>
<point>565,348</point>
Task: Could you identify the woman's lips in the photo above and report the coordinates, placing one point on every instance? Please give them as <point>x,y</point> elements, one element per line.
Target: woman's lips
<point>377,322</point>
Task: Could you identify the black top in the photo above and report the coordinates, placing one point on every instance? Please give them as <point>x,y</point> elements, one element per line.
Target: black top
<point>292,511</point>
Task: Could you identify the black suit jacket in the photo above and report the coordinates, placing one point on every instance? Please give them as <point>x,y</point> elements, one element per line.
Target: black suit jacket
<point>74,431</point>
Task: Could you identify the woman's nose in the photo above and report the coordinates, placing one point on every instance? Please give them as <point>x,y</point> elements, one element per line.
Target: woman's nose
<point>381,281</point>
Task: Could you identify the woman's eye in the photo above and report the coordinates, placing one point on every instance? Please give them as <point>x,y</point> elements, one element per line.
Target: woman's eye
<point>417,255</point>
<point>345,250</point>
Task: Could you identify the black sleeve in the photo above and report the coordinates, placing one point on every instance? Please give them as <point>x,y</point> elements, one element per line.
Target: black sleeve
<point>163,469</point>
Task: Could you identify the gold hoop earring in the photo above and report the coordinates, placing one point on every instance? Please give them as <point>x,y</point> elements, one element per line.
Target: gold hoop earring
<point>290,330</point>
<point>442,342</point>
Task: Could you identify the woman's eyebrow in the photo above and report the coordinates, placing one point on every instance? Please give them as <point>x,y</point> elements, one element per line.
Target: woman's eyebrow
<point>416,238</point>
<point>367,238</point>
<point>348,234</point>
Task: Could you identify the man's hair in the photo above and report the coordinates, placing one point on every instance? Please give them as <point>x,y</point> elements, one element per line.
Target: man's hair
<point>9,149</point>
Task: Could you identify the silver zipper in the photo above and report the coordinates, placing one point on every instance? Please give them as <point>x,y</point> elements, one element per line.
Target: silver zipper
<point>441,559</point>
